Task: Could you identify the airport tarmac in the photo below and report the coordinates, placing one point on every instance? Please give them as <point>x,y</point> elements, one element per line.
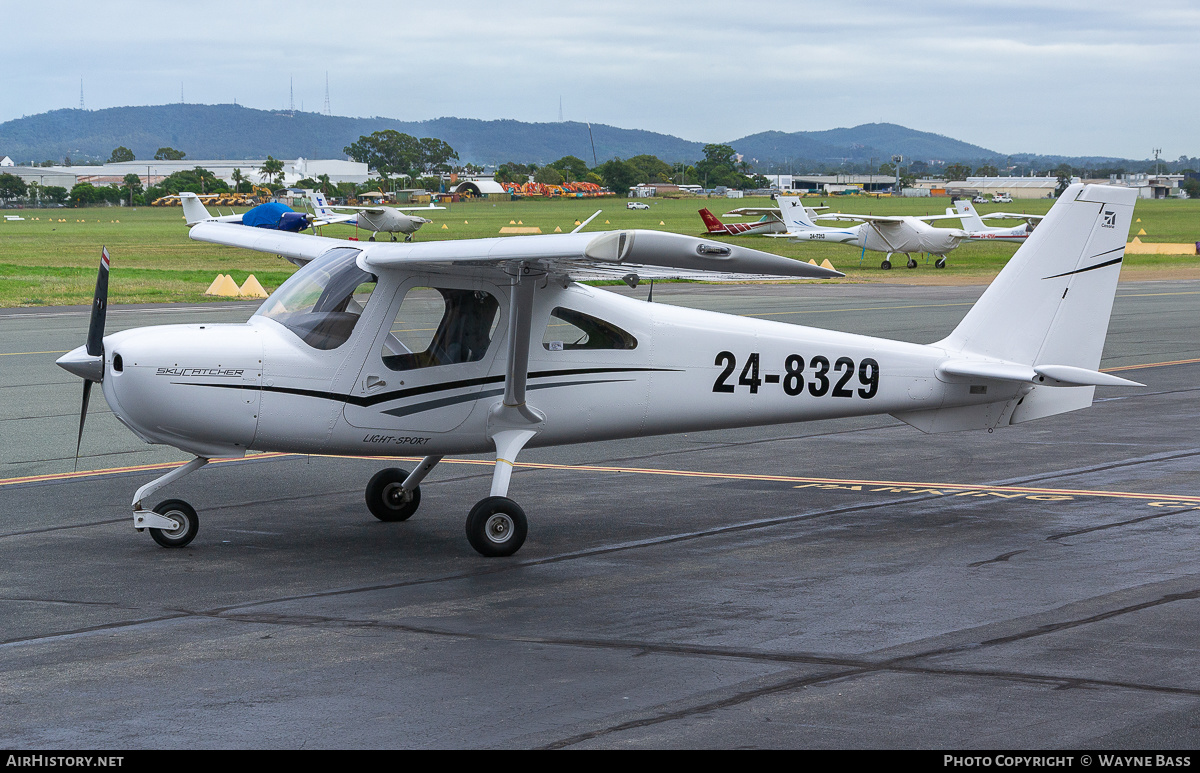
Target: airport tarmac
<point>837,584</point>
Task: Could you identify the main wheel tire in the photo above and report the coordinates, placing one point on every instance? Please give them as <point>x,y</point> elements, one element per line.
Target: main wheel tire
<point>386,498</point>
<point>182,514</point>
<point>886,265</point>
<point>496,526</point>
<point>939,263</point>
<point>912,262</point>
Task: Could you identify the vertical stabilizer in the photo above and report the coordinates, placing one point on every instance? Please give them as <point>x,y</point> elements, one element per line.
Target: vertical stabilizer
<point>1051,303</point>
<point>795,215</point>
<point>711,222</point>
<point>193,211</point>
<point>971,221</point>
<point>321,204</point>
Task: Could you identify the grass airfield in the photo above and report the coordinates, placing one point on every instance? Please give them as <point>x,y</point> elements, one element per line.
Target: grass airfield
<point>50,258</point>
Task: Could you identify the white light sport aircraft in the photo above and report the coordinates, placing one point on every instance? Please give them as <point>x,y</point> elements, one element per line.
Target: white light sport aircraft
<point>899,234</point>
<point>375,218</point>
<point>978,231</point>
<point>488,345</point>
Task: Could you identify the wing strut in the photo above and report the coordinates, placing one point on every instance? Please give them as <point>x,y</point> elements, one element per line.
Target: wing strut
<point>513,422</point>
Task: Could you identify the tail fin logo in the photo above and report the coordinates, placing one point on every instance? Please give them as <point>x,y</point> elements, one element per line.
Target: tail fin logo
<point>1110,220</point>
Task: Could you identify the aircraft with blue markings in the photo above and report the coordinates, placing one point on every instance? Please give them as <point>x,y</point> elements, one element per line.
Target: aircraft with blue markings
<point>495,345</point>
<point>890,234</point>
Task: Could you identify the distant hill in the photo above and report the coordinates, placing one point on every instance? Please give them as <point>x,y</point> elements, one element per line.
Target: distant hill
<point>235,132</point>
<point>861,143</point>
<point>232,131</point>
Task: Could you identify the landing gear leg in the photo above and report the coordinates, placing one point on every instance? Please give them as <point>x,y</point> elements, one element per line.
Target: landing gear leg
<point>497,526</point>
<point>886,265</point>
<point>173,523</point>
<point>912,262</point>
<point>940,263</point>
<point>372,238</point>
<point>408,238</point>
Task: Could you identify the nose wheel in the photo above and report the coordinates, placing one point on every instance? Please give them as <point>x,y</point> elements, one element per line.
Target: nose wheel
<point>939,263</point>
<point>912,262</point>
<point>388,500</point>
<point>187,523</point>
<point>496,526</point>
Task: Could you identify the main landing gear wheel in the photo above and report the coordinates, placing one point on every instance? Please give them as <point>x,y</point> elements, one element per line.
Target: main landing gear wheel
<point>496,526</point>
<point>939,263</point>
<point>187,524</point>
<point>886,265</point>
<point>912,262</point>
<point>386,498</point>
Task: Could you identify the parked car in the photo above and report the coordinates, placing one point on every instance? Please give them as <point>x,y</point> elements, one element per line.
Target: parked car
<point>980,200</point>
<point>636,205</point>
<point>1001,198</point>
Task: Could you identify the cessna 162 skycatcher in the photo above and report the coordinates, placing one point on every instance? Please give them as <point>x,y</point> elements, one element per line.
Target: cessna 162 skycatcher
<point>977,230</point>
<point>880,233</point>
<point>488,345</point>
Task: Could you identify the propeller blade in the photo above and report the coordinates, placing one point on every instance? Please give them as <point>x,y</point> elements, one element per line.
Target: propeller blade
<point>95,338</point>
<point>87,393</point>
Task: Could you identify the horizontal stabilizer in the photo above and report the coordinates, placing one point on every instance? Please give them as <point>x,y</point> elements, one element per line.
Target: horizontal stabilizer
<point>1046,375</point>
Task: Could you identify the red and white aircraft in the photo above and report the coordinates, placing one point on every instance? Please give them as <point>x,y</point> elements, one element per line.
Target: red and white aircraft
<point>770,221</point>
<point>978,231</point>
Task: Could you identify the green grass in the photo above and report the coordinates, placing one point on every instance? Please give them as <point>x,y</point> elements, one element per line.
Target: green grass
<point>50,258</point>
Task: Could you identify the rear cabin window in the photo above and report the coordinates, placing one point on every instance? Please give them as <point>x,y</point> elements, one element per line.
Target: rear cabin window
<point>569,330</point>
<point>441,326</point>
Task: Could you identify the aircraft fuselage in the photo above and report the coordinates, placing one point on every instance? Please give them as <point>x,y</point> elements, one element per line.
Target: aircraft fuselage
<point>220,390</point>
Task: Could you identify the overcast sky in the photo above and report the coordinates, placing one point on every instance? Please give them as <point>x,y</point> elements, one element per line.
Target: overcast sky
<point>1067,77</point>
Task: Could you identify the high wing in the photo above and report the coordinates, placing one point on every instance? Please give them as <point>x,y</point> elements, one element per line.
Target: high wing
<point>886,218</point>
<point>1010,216</point>
<point>377,209</point>
<point>615,254</point>
<point>761,211</point>
<point>330,219</point>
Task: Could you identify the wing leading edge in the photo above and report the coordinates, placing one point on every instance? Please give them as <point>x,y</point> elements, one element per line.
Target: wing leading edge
<point>575,255</point>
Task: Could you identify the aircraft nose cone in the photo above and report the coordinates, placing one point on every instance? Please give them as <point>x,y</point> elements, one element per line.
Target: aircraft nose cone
<point>82,364</point>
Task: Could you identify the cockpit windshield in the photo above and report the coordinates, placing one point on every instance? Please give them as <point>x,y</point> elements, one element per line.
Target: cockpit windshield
<point>322,301</point>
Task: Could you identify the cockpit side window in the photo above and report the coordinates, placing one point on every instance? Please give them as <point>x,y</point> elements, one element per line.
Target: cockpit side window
<point>441,326</point>
<point>569,329</point>
<point>321,303</point>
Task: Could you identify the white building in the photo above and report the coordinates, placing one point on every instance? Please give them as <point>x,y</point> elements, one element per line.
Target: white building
<point>1149,186</point>
<point>1016,187</point>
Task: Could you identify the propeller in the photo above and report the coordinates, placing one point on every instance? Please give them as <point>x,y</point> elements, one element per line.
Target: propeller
<point>87,361</point>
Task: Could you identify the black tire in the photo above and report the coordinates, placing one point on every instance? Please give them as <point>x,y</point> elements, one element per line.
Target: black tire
<point>184,515</point>
<point>939,263</point>
<point>886,265</point>
<point>496,526</point>
<point>385,496</point>
<point>912,262</point>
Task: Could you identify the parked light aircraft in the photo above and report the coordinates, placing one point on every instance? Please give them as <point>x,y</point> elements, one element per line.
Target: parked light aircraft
<point>977,230</point>
<point>375,218</point>
<point>272,216</point>
<point>900,234</point>
<point>488,345</point>
<point>769,221</point>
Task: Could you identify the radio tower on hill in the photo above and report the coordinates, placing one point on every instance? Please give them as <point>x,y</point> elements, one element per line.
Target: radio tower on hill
<point>291,98</point>
<point>81,107</point>
<point>327,111</point>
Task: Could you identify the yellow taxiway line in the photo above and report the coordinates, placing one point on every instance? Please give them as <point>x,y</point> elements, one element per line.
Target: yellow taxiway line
<point>799,481</point>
